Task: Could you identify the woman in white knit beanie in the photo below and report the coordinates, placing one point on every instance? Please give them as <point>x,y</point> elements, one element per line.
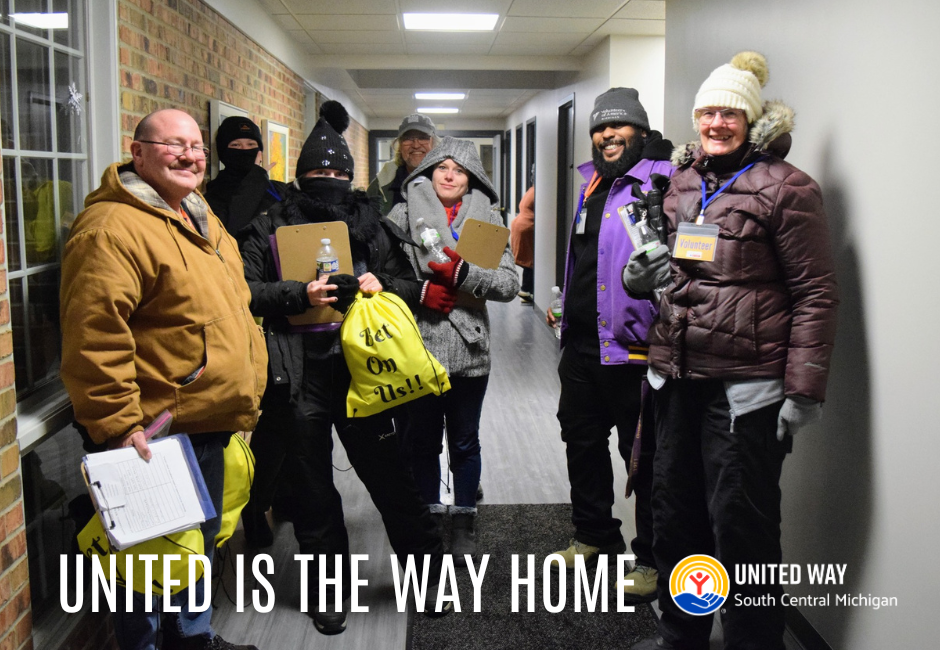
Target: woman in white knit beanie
<point>738,359</point>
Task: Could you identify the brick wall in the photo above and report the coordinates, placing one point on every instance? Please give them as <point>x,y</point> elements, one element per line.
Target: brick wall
<point>15,618</point>
<point>182,53</point>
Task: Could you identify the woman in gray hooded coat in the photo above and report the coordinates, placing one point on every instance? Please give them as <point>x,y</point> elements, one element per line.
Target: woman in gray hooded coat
<point>449,187</point>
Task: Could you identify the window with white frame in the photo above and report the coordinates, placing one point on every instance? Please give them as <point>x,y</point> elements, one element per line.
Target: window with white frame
<point>43,137</point>
<point>45,156</point>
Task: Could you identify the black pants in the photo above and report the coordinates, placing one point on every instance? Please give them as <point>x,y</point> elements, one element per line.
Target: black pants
<point>270,443</point>
<point>528,280</point>
<point>594,399</point>
<point>372,447</point>
<point>716,492</point>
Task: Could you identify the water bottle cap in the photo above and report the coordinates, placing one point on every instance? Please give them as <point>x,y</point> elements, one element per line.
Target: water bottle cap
<point>325,241</point>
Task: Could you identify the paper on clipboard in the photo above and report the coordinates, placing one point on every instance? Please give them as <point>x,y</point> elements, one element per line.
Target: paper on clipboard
<point>297,248</point>
<point>482,243</point>
<point>139,500</point>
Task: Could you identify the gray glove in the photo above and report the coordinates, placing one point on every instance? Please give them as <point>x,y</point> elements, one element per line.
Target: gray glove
<point>795,414</point>
<point>647,271</point>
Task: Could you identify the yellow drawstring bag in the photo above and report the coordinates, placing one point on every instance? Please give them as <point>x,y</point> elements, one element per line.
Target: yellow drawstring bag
<point>239,474</point>
<point>386,356</point>
<point>92,540</point>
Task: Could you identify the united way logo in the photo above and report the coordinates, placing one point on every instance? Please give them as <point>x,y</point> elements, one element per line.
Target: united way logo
<point>699,585</point>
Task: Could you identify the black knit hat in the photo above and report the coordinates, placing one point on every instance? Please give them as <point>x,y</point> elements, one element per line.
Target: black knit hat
<point>325,147</point>
<point>619,105</point>
<point>234,128</point>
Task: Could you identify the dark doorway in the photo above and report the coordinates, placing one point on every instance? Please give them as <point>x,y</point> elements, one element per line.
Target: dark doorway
<point>529,152</point>
<point>505,184</point>
<point>565,181</point>
<point>518,193</point>
<point>528,238</point>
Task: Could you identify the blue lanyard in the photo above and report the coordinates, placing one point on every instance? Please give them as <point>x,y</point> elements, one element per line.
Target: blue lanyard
<point>273,192</point>
<point>454,233</point>
<point>706,200</point>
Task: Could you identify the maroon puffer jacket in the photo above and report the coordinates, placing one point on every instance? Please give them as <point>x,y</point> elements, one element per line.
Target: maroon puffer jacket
<point>766,306</point>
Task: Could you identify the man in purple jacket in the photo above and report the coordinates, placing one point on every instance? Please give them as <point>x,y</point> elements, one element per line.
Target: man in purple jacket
<point>603,338</point>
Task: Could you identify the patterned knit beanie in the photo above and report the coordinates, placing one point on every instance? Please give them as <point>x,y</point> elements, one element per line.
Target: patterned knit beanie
<point>735,85</point>
<point>325,147</point>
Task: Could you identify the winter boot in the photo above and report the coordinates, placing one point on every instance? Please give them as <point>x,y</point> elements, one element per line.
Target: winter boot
<point>463,537</point>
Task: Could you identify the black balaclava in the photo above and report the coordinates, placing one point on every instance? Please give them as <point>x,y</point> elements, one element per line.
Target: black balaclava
<point>236,128</point>
<point>324,188</point>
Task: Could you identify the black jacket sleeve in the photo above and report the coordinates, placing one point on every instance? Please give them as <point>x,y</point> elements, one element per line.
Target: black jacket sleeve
<point>269,296</point>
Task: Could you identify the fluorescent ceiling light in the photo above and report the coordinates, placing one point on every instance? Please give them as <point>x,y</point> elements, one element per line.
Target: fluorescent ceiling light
<point>437,96</point>
<point>43,21</point>
<point>438,109</point>
<point>451,22</point>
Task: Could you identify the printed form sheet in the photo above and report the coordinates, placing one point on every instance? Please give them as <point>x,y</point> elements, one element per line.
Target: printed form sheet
<point>141,500</point>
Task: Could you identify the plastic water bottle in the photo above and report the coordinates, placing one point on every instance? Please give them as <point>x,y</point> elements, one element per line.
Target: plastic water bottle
<point>431,240</point>
<point>327,262</point>
<point>556,310</point>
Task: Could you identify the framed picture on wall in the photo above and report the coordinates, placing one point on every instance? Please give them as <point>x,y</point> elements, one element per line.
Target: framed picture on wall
<point>276,139</point>
<point>218,111</point>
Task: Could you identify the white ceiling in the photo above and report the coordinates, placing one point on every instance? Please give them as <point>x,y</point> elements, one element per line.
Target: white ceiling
<point>537,44</point>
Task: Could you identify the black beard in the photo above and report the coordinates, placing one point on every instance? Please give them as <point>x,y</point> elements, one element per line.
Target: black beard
<point>632,154</point>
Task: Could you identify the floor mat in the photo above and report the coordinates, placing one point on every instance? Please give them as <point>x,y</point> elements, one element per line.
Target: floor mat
<point>537,530</point>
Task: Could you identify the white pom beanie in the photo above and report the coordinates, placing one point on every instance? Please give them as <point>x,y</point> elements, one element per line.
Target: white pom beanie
<point>735,85</point>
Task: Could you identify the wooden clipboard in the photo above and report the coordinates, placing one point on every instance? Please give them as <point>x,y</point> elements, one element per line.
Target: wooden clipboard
<point>482,243</point>
<point>297,248</point>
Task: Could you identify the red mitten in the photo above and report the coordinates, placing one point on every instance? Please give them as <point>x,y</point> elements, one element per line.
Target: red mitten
<point>452,273</point>
<point>438,297</point>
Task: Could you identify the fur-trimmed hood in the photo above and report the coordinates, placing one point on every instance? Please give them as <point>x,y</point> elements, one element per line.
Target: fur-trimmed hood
<point>462,152</point>
<point>770,133</point>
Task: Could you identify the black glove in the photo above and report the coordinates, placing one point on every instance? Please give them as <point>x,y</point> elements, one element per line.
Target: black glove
<point>647,271</point>
<point>347,286</point>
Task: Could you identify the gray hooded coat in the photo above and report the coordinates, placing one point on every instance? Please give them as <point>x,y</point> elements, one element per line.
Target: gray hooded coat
<point>459,340</point>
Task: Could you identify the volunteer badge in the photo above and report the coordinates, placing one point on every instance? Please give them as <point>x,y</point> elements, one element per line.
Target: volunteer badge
<point>699,585</point>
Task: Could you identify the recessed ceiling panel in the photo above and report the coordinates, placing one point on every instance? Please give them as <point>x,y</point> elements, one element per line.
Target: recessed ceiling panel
<point>333,36</point>
<point>437,7</point>
<point>625,27</point>
<point>643,10</point>
<point>343,7</point>
<point>346,22</point>
<point>565,8</point>
<point>362,48</point>
<point>550,25</point>
<point>447,40</point>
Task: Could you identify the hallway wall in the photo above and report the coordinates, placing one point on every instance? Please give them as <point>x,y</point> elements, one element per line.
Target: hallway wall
<point>861,487</point>
<point>617,61</point>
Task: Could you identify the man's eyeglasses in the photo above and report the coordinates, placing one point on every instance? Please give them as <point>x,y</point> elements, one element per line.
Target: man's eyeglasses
<point>412,139</point>
<point>728,116</point>
<point>180,149</point>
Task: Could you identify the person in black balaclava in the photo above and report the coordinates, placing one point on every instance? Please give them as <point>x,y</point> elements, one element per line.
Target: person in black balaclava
<point>242,189</point>
<point>309,373</point>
